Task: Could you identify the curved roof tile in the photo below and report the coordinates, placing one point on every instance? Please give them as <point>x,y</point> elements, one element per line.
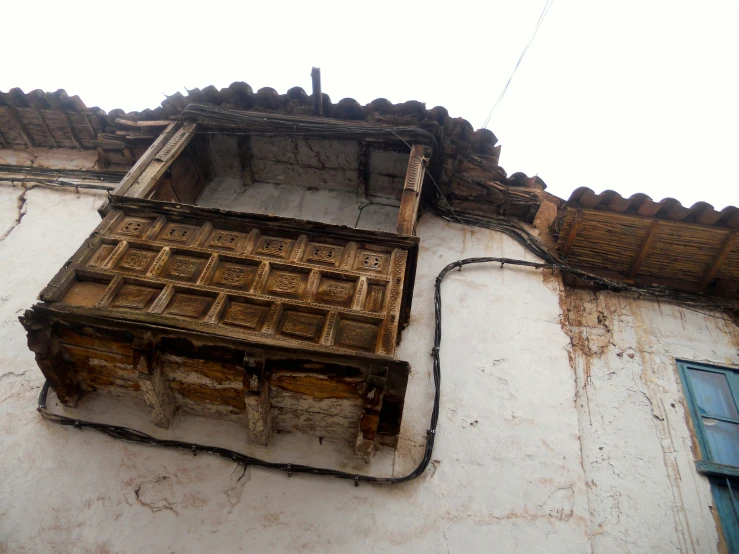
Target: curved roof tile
<point>670,209</point>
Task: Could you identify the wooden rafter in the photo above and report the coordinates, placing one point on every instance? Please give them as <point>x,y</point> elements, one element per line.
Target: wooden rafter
<point>89,125</point>
<point>135,172</point>
<point>576,224</point>
<point>46,127</point>
<point>3,143</point>
<point>21,127</point>
<point>72,134</point>
<point>643,249</point>
<point>715,264</point>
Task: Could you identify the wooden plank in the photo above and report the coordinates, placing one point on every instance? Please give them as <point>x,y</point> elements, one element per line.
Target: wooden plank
<point>156,123</point>
<point>21,127</point>
<point>411,197</point>
<point>72,134</point>
<point>576,224</point>
<point>161,161</point>
<point>135,172</point>
<point>715,264</point>
<point>48,131</point>
<point>644,249</point>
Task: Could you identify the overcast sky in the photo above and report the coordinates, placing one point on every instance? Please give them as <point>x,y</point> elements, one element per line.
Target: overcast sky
<point>634,96</point>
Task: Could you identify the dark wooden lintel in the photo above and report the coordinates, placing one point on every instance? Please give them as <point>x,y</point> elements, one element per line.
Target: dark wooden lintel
<point>715,264</point>
<point>643,249</point>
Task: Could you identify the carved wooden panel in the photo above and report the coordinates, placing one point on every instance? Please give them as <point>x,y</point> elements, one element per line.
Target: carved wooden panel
<point>260,283</point>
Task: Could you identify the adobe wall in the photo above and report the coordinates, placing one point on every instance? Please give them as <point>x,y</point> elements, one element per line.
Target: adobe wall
<point>516,466</point>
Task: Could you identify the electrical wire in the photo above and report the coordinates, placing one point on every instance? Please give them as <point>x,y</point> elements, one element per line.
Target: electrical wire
<point>544,12</point>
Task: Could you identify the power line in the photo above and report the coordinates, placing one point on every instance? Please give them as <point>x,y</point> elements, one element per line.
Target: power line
<point>544,12</point>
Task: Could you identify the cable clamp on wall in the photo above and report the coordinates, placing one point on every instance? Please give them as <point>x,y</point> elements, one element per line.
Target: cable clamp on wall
<point>289,470</point>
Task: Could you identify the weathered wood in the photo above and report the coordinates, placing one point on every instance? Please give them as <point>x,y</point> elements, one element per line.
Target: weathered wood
<point>143,162</point>
<point>154,123</point>
<point>13,114</point>
<point>70,129</point>
<point>157,393</point>
<point>719,259</point>
<point>643,250</point>
<point>46,128</point>
<point>410,199</point>
<point>256,398</point>
<point>315,75</point>
<point>162,160</point>
<point>572,234</point>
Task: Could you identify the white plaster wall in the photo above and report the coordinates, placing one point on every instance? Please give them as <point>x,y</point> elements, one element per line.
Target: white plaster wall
<point>324,205</point>
<point>643,490</point>
<point>51,158</point>
<point>508,473</point>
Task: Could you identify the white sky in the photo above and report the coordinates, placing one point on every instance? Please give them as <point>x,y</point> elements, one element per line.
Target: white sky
<point>634,96</point>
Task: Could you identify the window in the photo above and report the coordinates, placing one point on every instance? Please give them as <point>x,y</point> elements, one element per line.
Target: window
<point>713,399</point>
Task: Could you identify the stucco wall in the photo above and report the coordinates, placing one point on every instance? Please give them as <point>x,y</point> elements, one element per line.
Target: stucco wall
<point>643,491</point>
<point>517,467</point>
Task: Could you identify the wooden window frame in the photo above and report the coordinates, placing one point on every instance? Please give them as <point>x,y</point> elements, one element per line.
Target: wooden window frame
<point>724,478</point>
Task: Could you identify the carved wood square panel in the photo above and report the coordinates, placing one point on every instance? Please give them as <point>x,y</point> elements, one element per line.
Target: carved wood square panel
<point>177,233</point>
<point>224,240</point>
<point>324,254</point>
<point>135,297</point>
<point>273,247</point>
<point>188,305</point>
<point>102,254</point>
<point>335,291</point>
<point>367,260</point>
<point>286,283</point>
<point>183,268</point>
<point>301,325</point>
<point>375,296</point>
<point>234,276</point>
<point>245,315</point>
<point>136,260</point>
<point>132,227</point>
<point>354,334</point>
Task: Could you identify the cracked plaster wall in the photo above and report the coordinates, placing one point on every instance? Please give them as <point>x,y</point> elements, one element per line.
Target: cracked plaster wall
<point>644,493</point>
<point>508,473</point>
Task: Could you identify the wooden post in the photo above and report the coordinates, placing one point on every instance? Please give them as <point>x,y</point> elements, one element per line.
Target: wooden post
<point>49,357</point>
<point>315,75</point>
<point>155,388</point>
<point>256,398</point>
<point>411,197</point>
<point>372,404</point>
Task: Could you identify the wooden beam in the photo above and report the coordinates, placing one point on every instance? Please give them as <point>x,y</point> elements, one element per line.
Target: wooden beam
<point>411,197</point>
<point>2,140</point>
<point>135,172</point>
<point>89,125</point>
<point>157,123</point>
<point>48,131</point>
<point>21,128</point>
<point>644,249</point>
<point>161,161</point>
<point>715,264</point>
<point>72,134</point>
<point>576,224</point>
<point>155,388</point>
<point>256,397</point>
